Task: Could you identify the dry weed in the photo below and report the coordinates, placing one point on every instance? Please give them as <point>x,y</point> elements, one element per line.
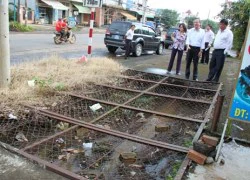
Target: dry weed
<point>55,74</point>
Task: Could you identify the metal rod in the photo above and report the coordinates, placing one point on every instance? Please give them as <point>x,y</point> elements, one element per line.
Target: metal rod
<point>156,94</point>
<point>167,84</point>
<point>186,162</point>
<point>137,109</point>
<point>49,138</point>
<point>217,112</point>
<point>49,166</point>
<point>111,132</point>
<point>221,141</point>
<point>206,119</point>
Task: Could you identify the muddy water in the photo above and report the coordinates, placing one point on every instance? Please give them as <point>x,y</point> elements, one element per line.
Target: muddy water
<point>236,165</point>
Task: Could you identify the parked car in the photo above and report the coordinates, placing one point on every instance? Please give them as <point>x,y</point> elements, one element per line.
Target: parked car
<point>168,40</point>
<point>145,38</point>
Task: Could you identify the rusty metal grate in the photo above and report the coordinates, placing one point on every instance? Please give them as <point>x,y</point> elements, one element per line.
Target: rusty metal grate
<point>154,117</point>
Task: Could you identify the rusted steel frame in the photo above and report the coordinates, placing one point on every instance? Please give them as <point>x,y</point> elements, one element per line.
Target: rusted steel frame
<point>148,73</point>
<point>49,138</point>
<point>185,164</point>
<point>156,94</point>
<point>217,112</point>
<point>209,112</point>
<point>168,84</point>
<point>47,165</point>
<point>138,109</point>
<point>119,134</point>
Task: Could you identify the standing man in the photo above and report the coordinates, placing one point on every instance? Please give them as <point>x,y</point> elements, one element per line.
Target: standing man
<point>222,45</point>
<point>128,40</point>
<point>209,37</point>
<point>195,44</point>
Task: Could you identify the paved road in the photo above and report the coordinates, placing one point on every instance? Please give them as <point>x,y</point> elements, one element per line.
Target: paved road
<point>26,47</point>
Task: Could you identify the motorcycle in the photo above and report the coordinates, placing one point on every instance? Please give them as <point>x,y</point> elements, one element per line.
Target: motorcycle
<point>58,38</point>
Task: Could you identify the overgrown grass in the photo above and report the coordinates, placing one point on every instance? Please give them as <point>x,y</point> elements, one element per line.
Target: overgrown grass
<point>15,26</point>
<point>55,74</point>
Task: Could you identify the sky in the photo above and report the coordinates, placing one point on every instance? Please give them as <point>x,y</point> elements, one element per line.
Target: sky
<point>196,6</point>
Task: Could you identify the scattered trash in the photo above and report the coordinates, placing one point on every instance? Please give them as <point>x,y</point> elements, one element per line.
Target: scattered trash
<point>20,137</point>
<point>62,126</point>
<point>88,148</point>
<point>141,115</point>
<point>83,59</point>
<point>32,83</point>
<point>72,150</point>
<point>60,140</point>
<point>95,107</point>
<point>162,128</point>
<point>104,126</point>
<point>11,116</point>
<point>152,153</point>
<point>192,133</point>
<point>62,157</point>
<point>54,104</point>
<point>132,173</point>
<point>136,166</point>
<point>128,158</point>
<point>76,137</point>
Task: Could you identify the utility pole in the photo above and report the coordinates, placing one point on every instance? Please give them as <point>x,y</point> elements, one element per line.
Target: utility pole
<point>26,12</point>
<point>4,45</point>
<point>144,6</point>
<point>18,10</point>
<point>14,10</point>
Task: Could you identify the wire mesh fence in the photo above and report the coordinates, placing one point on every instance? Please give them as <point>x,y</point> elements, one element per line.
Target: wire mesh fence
<point>29,128</point>
<point>138,105</point>
<point>143,75</point>
<point>80,109</point>
<point>96,155</point>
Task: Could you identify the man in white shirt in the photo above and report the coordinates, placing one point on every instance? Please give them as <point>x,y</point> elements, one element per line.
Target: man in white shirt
<point>128,40</point>
<point>195,44</point>
<point>209,37</point>
<point>222,45</point>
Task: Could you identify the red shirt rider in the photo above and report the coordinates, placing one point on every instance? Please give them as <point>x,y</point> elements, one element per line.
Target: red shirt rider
<point>59,25</point>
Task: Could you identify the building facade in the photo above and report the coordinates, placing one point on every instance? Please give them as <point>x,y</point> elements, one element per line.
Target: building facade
<point>49,11</point>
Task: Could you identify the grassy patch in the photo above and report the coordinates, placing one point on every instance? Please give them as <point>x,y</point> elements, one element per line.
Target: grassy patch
<point>174,171</point>
<point>54,74</point>
<point>15,26</point>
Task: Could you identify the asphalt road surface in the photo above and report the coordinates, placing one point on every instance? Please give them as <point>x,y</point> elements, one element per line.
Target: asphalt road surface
<point>31,47</point>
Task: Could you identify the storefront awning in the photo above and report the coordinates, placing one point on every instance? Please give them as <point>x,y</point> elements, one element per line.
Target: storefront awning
<point>82,9</point>
<point>128,16</point>
<point>55,5</point>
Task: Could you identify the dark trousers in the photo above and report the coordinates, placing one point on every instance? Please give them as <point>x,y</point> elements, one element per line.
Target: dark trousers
<point>192,56</point>
<point>216,65</point>
<point>128,47</point>
<point>171,63</point>
<point>205,54</point>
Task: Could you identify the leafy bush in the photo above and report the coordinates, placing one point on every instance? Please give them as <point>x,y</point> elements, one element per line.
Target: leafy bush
<point>15,26</point>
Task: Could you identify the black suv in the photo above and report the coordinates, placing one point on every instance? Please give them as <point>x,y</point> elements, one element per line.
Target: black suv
<point>168,40</point>
<point>145,38</point>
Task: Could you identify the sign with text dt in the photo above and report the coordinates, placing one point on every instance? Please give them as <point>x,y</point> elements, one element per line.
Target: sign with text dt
<point>240,104</point>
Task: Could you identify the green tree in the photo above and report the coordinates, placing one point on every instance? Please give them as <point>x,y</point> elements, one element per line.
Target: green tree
<point>168,17</point>
<point>215,25</point>
<point>190,21</point>
<point>238,15</point>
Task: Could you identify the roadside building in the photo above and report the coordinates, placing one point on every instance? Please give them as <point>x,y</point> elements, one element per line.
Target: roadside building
<point>31,4</point>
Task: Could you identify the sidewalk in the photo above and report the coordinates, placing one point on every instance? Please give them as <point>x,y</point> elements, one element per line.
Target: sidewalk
<point>49,29</point>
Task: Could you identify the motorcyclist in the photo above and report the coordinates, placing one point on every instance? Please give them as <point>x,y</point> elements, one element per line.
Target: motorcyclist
<point>66,28</point>
<point>59,26</point>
